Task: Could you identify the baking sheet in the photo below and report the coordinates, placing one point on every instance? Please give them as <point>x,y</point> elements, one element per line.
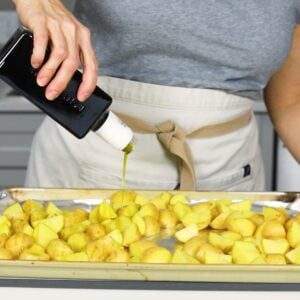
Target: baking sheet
<point>148,272</point>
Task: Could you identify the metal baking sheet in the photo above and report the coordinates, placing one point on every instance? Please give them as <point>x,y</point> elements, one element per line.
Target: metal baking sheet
<point>148,272</point>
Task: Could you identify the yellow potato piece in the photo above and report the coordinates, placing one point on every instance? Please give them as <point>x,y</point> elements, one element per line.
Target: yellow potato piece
<point>201,219</point>
<point>201,252</point>
<point>78,241</point>
<point>5,254</point>
<point>186,233</point>
<point>181,257</point>
<point>293,256</point>
<point>57,248</point>
<point>293,234</point>
<point>278,246</point>
<point>137,249</point>
<point>217,258</point>
<point>167,218</point>
<point>43,235</point>
<point>192,245</point>
<point>244,227</point>
<point>275,259</point>
<point>244,252</point>
<point>156,255</point>
<point>120,256</point>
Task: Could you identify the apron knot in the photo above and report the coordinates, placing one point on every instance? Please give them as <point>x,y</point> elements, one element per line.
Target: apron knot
<point>173,138</point>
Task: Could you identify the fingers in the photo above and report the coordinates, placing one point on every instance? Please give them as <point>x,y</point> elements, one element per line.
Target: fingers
<point>63,62</point>
<point>90,66</point>
<point>40,41</point>
<point>52,24</point>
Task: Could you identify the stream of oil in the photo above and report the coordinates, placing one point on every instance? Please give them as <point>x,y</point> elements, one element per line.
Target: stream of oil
<point>127,150</point>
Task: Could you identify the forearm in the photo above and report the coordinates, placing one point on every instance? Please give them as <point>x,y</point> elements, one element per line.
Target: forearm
<point>287,125</point>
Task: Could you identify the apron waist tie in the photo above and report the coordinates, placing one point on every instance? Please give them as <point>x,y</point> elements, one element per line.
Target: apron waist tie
<point>173,138</point>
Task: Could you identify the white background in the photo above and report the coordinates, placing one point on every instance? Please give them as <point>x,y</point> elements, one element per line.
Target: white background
<point>74,294</point>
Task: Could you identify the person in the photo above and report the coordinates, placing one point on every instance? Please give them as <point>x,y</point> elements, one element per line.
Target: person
<point>197,65</point>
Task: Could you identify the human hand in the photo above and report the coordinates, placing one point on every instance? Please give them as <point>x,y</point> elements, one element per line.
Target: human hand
<point>52,23</point>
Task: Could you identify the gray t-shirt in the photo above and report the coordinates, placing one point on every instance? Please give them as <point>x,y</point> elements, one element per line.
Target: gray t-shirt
<point>232,45</point>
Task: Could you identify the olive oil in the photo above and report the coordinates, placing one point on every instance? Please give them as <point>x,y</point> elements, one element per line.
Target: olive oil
<point>127,150</point>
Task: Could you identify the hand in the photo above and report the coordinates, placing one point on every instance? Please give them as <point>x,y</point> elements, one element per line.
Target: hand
<point>51,23</point>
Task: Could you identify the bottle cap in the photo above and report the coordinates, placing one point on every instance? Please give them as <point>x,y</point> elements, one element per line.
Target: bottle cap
<point>115,132</point>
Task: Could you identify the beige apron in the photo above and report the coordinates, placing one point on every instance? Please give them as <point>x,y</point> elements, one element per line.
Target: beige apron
<point>214,137</point>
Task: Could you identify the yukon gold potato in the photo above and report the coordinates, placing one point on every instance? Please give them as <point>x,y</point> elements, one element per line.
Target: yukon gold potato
<point>167,218</point>
<point>95,231</point>
<point>244,227</point>
<point>243,206</point>
<point>122,223</point>
<point>159,203</point>
<point>28,254</point>
<point>275,214</point>
<point>293,256</point>
<point>205,248</point>
<point>17,243</point>
<point>116,235</point>
<point>217,258</point>
<point>29,206</point>
<point>37,215</point>
<point>5,220</point>
<point>43,235</point>
<point>244,252</point>
<point>273,230</point>
<point>192,245</point>
<point>111,224</point>
<point>181,257</point>
<point>14,212</point>
<point>120,256</point>
<point>3,239</point>
<point>293,234</point>
<point>275,259</point>
<point>278,246</point>
<point>152,226</point>
<point>93,216</point>
<point>257,219</point>
<point>78,241</point>
<point>21,226</point>
<point>156,255</point>
<point>129,210</point>
<point>79,256</point>
<point>58,247</point>
<point>122,198</point>
<point>5,254</point>
<point>148,209</point>
<point>137,249</point>
<point>202,220</point>
<point>140,223</point>
<point>235,236</point>
<point>56,223</point>
<point>179,198</point>
<point>5,229</point>
<point>96,251</point>
<point>206,206</point>
<point>186,233</point>
<point>260,260</point>
<point>105,211</point>
<point>220,221</point>
<point>52,210</point>
<point>131,234</point>
<point>221,242</point>
<point>141,200</point>
<point>66,232</point>
<point>181,209</point>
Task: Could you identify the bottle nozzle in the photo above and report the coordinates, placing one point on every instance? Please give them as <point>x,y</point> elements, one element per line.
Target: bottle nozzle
<point>116,133</point>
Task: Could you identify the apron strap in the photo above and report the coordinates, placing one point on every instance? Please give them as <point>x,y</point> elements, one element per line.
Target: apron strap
<point>173,138</point>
